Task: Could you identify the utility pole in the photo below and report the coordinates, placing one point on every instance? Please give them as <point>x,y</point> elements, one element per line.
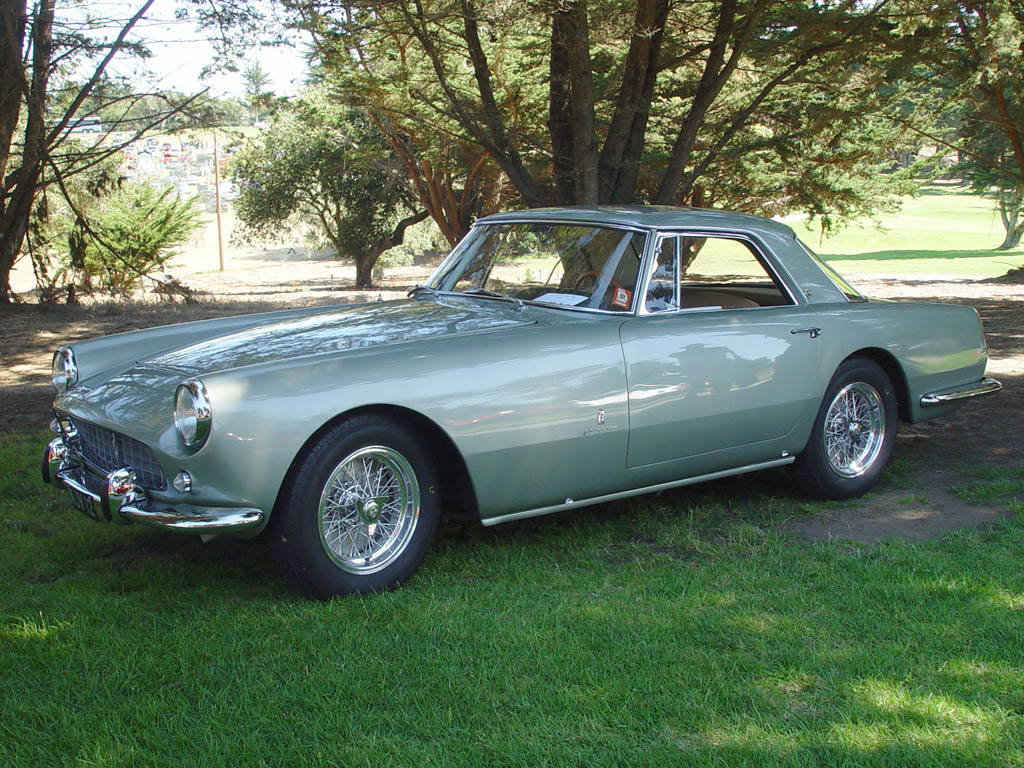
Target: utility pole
<point>216,193</point>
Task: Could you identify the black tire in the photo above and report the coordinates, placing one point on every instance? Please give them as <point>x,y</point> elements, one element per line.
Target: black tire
<point>358,512</point>
<point>860,446</point>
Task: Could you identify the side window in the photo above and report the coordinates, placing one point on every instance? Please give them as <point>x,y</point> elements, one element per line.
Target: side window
<point>713,273</point>
<point>663,288</point>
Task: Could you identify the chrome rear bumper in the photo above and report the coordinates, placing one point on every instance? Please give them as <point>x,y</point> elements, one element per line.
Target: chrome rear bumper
<point>118,498</point>
<point>985,386</point>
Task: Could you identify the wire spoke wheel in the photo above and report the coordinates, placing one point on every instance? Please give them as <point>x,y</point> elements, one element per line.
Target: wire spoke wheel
<point>854,429</point>
<point>369,509</point>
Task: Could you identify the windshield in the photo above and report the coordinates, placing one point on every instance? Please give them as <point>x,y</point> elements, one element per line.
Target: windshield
<point>851,293</point>
<point>582,266</point>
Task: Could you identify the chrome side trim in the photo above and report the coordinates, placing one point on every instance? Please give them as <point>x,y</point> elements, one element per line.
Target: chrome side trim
<point>573,504</point>
<point>985,386</point>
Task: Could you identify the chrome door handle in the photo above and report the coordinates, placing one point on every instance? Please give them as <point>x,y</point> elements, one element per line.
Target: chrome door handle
<point>812,332</point>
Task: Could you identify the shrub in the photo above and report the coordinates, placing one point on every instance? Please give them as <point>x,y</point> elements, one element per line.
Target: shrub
<point>131,234</point>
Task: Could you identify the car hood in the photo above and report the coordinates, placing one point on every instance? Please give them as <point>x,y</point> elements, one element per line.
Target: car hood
<point>355,327</point>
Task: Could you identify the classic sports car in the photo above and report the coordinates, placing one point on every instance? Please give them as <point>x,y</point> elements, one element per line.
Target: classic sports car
<point>557,358</point>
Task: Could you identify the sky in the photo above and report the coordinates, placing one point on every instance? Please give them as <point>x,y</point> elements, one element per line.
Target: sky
<point>180,54</point>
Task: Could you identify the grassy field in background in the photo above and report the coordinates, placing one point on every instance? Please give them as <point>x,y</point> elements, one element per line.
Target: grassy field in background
<point>941,232</point>
<point>680,629</point>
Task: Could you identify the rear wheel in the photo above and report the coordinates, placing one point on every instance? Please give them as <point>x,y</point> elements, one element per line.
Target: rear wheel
<point>852,438</point>
<point>359,512</point>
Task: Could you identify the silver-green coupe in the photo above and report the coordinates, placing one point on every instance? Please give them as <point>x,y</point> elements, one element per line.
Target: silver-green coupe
<point>557,358</point>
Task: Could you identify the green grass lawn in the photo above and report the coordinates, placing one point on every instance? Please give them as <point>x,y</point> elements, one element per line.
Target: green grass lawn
<point>941,232</point>
<point>679,629</point>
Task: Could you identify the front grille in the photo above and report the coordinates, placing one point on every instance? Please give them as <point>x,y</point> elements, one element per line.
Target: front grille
<point>109,450</point>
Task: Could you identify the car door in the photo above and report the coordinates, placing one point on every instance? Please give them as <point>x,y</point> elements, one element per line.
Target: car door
<point>721,355</point>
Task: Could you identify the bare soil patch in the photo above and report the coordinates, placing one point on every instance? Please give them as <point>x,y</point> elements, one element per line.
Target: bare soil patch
<point>922,503</point>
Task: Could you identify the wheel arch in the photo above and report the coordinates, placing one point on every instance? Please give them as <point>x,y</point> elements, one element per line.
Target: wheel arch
<point>457,493</point>
<point>892,368</point>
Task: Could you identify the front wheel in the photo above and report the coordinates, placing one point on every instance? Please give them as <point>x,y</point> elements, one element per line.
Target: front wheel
<point>359,512</point>
<point>852,438</point>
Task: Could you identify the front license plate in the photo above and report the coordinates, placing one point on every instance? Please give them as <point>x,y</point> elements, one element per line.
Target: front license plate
<point>83,503</point>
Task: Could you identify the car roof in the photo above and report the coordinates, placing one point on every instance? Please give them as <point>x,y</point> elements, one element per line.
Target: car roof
<point>665,217</point>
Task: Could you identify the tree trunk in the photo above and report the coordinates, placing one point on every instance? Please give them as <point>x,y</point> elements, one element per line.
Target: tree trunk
<point>13,226</point>
<point>19,186</point>
<point>13,22</point>
<point>496,140</point>
<point>717,71</point>
<point>624,143</point>
<point>1010,204</point>
<point>581,102</point>
<point>559,112</point>
<point>365,262</point>
<point>1013,238</point>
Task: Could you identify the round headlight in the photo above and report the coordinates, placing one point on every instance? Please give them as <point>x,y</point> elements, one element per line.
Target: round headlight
<point>192,414</point>
<point>63,370</point>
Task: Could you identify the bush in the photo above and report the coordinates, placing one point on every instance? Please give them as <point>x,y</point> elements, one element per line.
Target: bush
<point>131,234</point>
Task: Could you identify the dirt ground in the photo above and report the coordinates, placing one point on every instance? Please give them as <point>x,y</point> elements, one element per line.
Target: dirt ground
<point>988,431</point>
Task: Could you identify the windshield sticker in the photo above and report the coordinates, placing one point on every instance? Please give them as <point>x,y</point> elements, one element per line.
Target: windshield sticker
<point>621,298</point>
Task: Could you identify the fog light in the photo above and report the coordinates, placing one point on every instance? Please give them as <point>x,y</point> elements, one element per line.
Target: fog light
<point>120,482</point>
<point>182,482</point>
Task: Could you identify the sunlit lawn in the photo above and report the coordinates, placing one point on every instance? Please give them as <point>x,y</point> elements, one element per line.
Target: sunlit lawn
<point>681,629</point>
<point>941,232</point>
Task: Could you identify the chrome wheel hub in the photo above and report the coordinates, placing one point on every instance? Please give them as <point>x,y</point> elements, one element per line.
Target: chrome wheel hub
<point>854,429</point>
<point>369,509</point>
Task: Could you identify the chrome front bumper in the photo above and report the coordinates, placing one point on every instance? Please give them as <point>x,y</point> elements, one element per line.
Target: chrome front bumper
<point>116,497</point>
<point>985,386</point>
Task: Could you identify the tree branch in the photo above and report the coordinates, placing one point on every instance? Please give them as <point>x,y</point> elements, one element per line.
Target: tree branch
<point>86,90</point>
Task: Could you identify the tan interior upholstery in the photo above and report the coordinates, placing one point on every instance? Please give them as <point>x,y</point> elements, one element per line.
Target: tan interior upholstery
<point>715,299</point>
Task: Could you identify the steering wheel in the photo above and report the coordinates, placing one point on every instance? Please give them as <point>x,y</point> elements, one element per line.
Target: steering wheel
<point>620,295</point>
<point>597,276</point>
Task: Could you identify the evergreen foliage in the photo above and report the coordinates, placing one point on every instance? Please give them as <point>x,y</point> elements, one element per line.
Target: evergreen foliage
<point>132,234</point>
<point>970,58</point>
<point>102,234</point>
<point>754,106</point>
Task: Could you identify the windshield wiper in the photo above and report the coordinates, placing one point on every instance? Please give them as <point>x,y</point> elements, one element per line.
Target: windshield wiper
<point>425,288</point>
<point>495,295</point>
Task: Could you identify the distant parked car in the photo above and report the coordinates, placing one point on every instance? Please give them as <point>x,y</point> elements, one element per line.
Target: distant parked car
<point>556,359</point>
<point>87,125</point>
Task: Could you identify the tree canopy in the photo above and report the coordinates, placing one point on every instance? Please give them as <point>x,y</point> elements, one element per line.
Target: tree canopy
<point>984,70</point>
<point>331,167</point>
<point>614,101</point>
